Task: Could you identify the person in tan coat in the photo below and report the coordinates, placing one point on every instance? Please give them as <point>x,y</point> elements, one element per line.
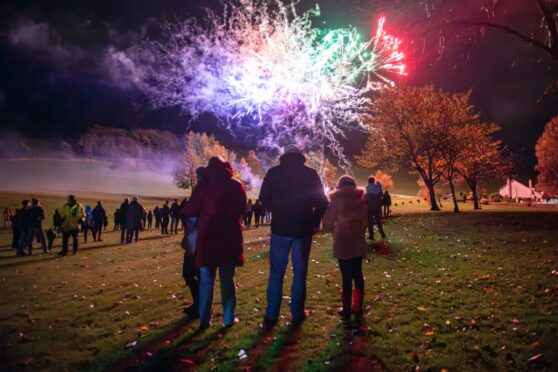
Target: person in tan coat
<point>347,217</point>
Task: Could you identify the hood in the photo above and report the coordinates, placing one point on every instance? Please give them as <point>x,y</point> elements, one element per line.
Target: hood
<point>347,192</point>
<point>292,158</point>
<point>218,170</point>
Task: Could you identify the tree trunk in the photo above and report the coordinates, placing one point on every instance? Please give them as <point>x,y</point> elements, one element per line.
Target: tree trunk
<point>433,203</point>
<point>452,188</point>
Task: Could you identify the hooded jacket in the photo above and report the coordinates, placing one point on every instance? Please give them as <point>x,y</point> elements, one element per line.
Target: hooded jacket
<point>134,215</point>
<point>347,217</point>
<point>295,196</point>
<point>219,202</point>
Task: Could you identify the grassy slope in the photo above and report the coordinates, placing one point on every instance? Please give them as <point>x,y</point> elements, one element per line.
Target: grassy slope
<point>80,312</point>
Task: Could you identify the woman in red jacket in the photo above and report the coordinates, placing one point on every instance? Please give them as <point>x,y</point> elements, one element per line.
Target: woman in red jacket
<point>219,204</point>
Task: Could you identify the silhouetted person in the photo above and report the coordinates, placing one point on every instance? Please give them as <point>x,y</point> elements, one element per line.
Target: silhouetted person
<point>87,224</point>
<point>386,202</point>
<point>257,208</point>
<point>99,217</point>
<point>57,221</point>
<point>116,218</point>
<point>36,217</point>
<point>157,215</point>
<point>7,218</point>
<point>72,218</point>
<point>249,213</point>
<point>122,216</point>
<point>134,217</point>
<point>295,195</point>
<point>373,199</point>
<point>22,224</point>
<point>347,218</point>
<point>149,220</point>
<point>175,216</point>
<point>165,216</point>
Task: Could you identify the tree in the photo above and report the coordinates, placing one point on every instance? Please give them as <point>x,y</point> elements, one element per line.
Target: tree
<point>385,180</point>
<point>547,157</point>
<point>409,128</point>
<point>326,170</point>
<point>483,157</point>
<point>199,148</point>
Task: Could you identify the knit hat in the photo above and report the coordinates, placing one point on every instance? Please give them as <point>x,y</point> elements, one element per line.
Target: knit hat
<point>291,149</point>
<point>346,181</point>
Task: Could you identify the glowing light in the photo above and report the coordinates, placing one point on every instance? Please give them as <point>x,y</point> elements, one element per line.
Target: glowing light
<point>268,74</point>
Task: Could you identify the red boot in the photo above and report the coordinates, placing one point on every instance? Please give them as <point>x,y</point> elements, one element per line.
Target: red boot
<point>345,311</point>
<point>358,297</point>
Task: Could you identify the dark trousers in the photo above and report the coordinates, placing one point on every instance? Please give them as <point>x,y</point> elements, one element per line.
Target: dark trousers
<point>157,222</point>
<point>149,223</point>
<point>97,231</point>
<point>122,233</point>
<point>165,225</point>
<point>257,219</point>
<point>174,225</point>
<point>65,236</point>
<point>351,271</point>
<point>248,219</point>
<point>132,233</point>
<point>37,232</point>
<point>191,275</point>
<point>387,211</point>
<point>86,229</point>
<point>375,216</point>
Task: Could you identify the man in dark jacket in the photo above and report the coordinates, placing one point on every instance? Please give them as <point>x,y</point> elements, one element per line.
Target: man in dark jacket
<point>219,203</point>
<point>373,199</point>
<point>57,221</point>
<point>165,213</point>
<point>122,216</point>
<point>134,218</point>
<point>36,217</point>
<point>99,216</point>
<point>175,216</point>
<point>157,215</point>
<point>149,220</point>
<point>295,195</point>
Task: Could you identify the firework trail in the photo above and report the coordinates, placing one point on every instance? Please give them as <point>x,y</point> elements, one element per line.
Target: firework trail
<point>268,74</point>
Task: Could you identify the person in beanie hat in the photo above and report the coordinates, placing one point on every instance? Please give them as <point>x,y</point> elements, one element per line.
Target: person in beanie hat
<point>347,217</point>
<point>295,196</point>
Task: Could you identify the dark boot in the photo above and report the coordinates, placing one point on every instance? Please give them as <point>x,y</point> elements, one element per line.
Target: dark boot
<point>358,297</point>
<point>345,311</point>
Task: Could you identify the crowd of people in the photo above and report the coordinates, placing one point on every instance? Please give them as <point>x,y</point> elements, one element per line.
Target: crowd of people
<point>293,197</point>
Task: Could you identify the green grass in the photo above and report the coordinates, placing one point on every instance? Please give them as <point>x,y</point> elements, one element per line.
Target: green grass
<point>465,277</point>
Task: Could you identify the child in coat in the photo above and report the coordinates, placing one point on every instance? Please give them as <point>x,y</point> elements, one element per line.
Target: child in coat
<point>347,217</point>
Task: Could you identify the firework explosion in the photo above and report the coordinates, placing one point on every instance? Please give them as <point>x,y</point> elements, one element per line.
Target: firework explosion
<point>268,74</point>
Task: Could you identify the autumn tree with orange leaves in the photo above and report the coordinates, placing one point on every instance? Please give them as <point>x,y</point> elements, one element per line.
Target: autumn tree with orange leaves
<point>410,128</point>
<point>547,157</point>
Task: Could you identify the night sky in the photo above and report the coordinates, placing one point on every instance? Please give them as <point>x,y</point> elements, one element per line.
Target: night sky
<point>55,79</point>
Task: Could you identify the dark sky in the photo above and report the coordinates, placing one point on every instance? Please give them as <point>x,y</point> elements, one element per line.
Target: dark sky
<point>55,79</point>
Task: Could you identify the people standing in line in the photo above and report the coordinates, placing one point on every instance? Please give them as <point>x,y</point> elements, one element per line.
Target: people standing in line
<point>134,218</point>
<point>295,196</point>
<point>258,212</point>
<point>22,221</point>
<point>386,202</point>
<point>149,220</point>
<point>165,215</point>
<point>157,215</point>
<point>373,199</point>
<point>57,221</point>
<point>36,217</point>
<point>175,216</point>
<point>116,219</point>
<point>347,217</point>
<point>219,204</point>
<point>122,216</point>
<point>248,214</point>
<point>72,215</point>
<point>87,224</point>
<point>190,271</point>
<point>99,217</point>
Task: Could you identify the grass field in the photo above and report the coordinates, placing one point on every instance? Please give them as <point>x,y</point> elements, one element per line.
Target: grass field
<point>470,291</point>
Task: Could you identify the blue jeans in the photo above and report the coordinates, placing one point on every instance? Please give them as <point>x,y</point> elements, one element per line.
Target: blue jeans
<point>24,234</point>
<point>280,247</point>
<point>228,295</point>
